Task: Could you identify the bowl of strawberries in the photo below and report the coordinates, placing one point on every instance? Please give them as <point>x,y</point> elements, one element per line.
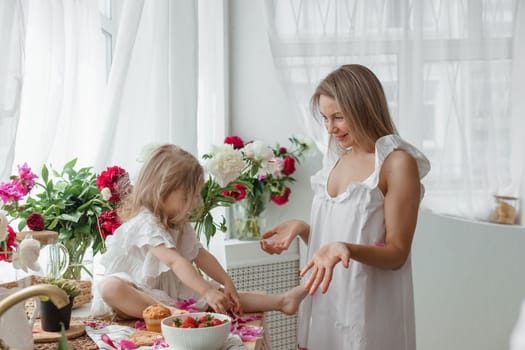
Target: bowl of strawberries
<point>196,331</point>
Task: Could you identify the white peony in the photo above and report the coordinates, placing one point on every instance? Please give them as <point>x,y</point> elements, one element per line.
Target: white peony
<point>26,255</point>
<point>226,164</point>
<point>275,167</point>
<point>310,149</point>
<point>146,151</point>
<point>106,193</point>
<point>3,226</point>
<point>258,151</point>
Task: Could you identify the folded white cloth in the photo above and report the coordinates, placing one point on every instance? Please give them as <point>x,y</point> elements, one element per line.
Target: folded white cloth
<point>117,333</point>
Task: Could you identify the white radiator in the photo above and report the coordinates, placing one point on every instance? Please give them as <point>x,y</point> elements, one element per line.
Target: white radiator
<point>253,270</point>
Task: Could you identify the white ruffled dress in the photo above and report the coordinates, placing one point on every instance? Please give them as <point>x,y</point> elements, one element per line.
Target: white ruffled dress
<point>365,308</point>
<point>129,258</point>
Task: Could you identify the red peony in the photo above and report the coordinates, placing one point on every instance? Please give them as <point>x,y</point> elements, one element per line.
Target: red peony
<point>235,141</point>
<point>8,245</point>
<point>108,222</point>
<point>283,150</point>
<point>35,222</point>
<point>289,166</point>
<point>283,199</point>
<point>117,180</point>
<point>239,193</point>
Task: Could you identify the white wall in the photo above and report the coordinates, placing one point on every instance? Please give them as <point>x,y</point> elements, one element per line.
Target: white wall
<point>258,105</point>
<point>468,276</point>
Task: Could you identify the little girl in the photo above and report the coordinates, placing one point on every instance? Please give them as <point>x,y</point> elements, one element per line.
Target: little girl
<point>149,259</point>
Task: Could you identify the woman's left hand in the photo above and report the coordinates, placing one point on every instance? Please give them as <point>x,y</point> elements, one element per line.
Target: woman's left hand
<point>322,265</point>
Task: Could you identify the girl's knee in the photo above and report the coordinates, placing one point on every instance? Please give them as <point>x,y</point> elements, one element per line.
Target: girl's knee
<point>111,288</point>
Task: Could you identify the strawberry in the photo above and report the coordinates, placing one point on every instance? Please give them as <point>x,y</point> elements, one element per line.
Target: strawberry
<point>216,322</point>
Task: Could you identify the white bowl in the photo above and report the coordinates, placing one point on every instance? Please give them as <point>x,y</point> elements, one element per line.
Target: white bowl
<point>207,338</point>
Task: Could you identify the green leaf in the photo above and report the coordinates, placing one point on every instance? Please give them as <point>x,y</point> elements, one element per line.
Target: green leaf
<point>62,342</point>
<point>71,164</point>
<point>45,173</point>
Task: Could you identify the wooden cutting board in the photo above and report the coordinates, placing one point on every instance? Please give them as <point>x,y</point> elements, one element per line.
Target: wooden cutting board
<point>76,329</point>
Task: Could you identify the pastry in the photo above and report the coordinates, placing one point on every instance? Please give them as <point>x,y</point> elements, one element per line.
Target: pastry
<point>143,338</point>
<point>153,314</point>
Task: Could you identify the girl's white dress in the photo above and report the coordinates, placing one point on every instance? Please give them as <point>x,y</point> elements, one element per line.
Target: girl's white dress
<point>129,258</point>
<point>365,308</point>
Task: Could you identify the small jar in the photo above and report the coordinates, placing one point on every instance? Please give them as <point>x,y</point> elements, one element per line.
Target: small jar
<point>505,210</point>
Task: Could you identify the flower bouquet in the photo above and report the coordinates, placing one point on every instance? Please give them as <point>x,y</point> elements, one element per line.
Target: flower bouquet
<point>253,175</point>
<point>70,202</point>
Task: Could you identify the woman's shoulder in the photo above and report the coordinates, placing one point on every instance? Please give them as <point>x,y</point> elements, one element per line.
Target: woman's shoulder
<point>396,153</point>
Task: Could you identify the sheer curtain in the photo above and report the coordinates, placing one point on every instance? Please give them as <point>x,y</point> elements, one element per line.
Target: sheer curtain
<point>152,87</point>
<point>450,70</point>
<point>12,36</point>
<point>63,83</point>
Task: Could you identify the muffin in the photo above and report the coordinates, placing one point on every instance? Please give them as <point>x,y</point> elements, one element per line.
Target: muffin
<point>153,314</point>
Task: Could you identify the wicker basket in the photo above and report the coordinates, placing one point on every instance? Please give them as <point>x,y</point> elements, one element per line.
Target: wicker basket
<point>82,298</point>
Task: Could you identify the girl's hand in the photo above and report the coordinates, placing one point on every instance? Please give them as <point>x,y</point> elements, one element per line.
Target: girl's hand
<point>283,235</point>
<point>322,265</point>
<point>217,300</point>
<point>233,296</point>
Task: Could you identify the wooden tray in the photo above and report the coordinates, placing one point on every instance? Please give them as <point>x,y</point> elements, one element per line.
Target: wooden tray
<point>76,329</point>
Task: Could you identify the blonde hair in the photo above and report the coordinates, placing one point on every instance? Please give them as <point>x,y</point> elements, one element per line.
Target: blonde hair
<point>360,98</point>
<point>166,170</point>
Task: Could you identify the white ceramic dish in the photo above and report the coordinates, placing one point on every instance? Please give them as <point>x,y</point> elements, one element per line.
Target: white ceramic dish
<point>207,338</point>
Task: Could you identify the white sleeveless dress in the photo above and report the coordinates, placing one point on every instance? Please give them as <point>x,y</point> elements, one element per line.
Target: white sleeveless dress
<point>128,257</point>
<point>365,308</point>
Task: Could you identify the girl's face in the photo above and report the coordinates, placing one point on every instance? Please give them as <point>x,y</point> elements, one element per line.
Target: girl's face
<point>180,203</point>
<point>335,123</point>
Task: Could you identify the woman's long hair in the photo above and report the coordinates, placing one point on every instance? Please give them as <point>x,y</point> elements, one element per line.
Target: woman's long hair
<point>360,98</point>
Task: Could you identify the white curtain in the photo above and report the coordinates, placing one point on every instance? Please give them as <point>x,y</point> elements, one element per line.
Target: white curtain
<point>12,36</point>
<point>152,87</point>
<point>450,70</point>
<point>63,83</point>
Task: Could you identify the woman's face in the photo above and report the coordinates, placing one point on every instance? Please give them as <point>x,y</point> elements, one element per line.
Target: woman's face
<point>335,123</point>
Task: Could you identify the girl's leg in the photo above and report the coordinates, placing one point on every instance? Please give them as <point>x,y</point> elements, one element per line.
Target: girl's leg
<point>126,300</point>
<point>287,302</point>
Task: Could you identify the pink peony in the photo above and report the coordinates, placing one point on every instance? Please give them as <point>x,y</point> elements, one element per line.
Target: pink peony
<point>35,222</point>
<point>235,141</point>
<point>117,180</point>
<point>239,193</point>
<point>289,166</point>
<point>108,222</point>
<point>283,199</point>
<point>9,245</point>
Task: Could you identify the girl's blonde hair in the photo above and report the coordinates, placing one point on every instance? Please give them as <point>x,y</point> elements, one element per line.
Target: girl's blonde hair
<point>360,98</point>
<point>166,170</point>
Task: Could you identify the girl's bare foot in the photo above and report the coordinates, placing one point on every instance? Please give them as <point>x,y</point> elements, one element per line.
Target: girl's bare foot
<point>291,300</point>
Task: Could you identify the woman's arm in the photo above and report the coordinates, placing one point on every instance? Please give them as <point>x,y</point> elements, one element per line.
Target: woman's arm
<point>399,181</point>
<point>283,235</point>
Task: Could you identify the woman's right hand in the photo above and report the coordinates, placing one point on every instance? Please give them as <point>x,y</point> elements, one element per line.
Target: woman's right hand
<point>283,235</point>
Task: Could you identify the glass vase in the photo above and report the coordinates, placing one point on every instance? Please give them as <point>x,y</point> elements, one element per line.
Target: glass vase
<point>77,258</point>
<point>249,220</point>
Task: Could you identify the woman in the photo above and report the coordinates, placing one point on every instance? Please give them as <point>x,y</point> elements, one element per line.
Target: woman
<point>364,214</point>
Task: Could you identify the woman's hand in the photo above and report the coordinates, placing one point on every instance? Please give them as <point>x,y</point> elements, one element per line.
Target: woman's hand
<point>217,300</point>
<point>283,235</point>
<point>322,265</point>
